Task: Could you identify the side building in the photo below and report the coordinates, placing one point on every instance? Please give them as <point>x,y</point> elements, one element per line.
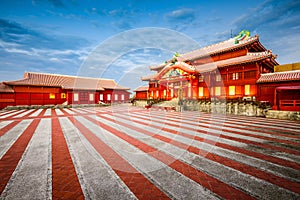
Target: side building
<point>231,70</point>
<point>53,89</point>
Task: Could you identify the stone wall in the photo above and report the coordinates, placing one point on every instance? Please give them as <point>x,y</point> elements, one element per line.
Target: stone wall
<point>279,114</point>
<point>235,108</point>
<point>140,103</point>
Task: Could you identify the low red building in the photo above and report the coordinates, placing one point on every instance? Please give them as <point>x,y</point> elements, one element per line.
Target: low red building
<point>141,92</point>
<point>281,89</point>
<point>45,89</point>
<point>235,69</point>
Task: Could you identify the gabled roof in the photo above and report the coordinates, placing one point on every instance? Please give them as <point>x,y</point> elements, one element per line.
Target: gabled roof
<point>224,46</point>
<point>148,77</point>
<point>248,58</point>
<point>142,88</point>
<point>5,88</point>
<point>66,82</point>
<point>221,47</point>
<point>279,77</point>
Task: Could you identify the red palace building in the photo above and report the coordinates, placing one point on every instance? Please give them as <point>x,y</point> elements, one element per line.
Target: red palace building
<point>53,89</point>
<point>240,68</point>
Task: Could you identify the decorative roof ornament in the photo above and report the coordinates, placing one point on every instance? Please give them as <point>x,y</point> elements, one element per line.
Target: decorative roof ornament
<point>241,36</point>
<point>174,59</point>
<point>176,54</point>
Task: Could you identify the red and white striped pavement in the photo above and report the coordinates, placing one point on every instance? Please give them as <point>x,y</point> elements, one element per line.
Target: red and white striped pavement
<point>124,152</point>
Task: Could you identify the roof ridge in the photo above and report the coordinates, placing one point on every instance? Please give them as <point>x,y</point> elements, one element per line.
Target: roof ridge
<point>218,43</point>
<point>72,76</point>
<point>284,72</point>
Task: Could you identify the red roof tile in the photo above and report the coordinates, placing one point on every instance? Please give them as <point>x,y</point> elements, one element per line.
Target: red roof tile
<point>148,77</point>
<point>157,67</point>
<point>142,88</point>
<point>5,88</point>
<point>220,47</point>
<point>280,76</point>
<point>66,82</point>
<point>250,57</point>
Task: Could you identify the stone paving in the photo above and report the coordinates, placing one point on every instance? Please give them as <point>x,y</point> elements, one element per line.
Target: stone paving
<point>124,152</point>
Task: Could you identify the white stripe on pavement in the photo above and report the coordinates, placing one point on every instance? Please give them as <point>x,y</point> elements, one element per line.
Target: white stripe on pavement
<point>279,170</point>
<point>10,114</point>
<point>29,180</point>
<point>254,186</point>
<point>69,111</point>
<point>36,113</point>
<point>4,123</point>
<point>99,179</point>
<point>48,112</point>
<point>161,174</point>
<point>59,112</point>
<point>23,114</point>
<point>7,140</point>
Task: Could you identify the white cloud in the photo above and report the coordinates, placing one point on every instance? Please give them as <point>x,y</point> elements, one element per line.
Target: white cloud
<point>277,24</point>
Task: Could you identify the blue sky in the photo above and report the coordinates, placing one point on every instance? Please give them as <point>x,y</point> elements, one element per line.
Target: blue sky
<point>60,36</point>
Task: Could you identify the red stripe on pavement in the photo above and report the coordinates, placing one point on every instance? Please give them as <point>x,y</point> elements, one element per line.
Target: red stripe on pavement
<point>27,115</point>
<point>6,112</point>
<point>282,182</point>
<point>8,127</point>
<point>136,182</point>
<point>10,160</point>
<point>65,183</point>
<point>295,152</point>
<point>66,114</point>
<point>211,183</point>
<point>11,116</point>
<point>253,124</point>
<point>41,114</point>
<point>252,135</point>
<point>261,156</point>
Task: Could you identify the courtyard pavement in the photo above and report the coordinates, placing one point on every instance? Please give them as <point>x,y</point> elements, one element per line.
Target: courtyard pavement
<point>124,152</point>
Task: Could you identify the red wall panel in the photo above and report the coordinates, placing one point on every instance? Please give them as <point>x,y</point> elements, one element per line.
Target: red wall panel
<point>20,96</point>
<point>35,96</point>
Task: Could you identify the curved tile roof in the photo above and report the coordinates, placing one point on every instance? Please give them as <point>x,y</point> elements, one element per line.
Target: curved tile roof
<point>148,77</point>
<point>66,82</point>
<point>220,47</point>
<point>6,88</point>
<point>248,58</point>
<point>279,77</point>
<point>142,88</point>
<point>217,48</point>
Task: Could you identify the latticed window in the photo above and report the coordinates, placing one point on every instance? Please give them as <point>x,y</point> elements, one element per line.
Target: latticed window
<point>236,76</point>
<point>91,97</point>
<point>250,74</point>
<point>51,96</point>
<point>247,89</point>
<point>232,90</point>
<point>217,91</point>
<point>224,77</point>
<point>200,92</point>
<point>218,77</point>
<point>75,96</point>
<point>83,96</point>
<point>201,78</point>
